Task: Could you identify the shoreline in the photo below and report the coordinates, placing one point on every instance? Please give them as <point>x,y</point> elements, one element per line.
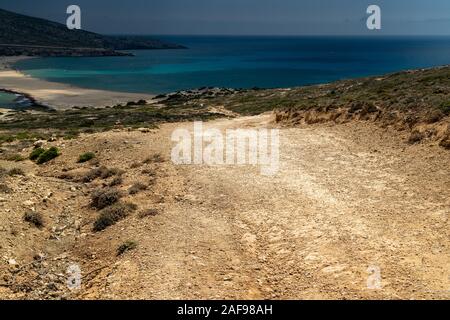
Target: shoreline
<point>59,96</point>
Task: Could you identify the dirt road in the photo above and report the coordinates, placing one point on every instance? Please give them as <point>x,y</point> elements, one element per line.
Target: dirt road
<point>349,202</point>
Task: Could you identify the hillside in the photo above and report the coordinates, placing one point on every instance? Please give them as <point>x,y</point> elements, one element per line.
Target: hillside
<point>24,35</point>
<point>350,196</point>
<point>415,101</point>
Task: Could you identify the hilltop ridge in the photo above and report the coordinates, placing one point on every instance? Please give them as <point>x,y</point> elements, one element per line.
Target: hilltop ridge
<point>25,35</point>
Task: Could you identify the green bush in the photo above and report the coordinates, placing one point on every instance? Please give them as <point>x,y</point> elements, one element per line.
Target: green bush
<point>47,155</point>
<point>36,153</point>
<point>85,157</point>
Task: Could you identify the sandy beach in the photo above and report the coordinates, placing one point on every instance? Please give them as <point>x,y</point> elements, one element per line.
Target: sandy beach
<point>59,95</point>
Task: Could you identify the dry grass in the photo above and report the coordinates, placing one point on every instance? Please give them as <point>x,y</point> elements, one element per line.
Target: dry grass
<point>34,218</point>
<point>102,173</point>
<point>155,158</point>
<point>111,215</point>
<point>126,246</point>
<point>137,187</point>
<point>103,198</point>
<point>148,213</point>
<point>16,172</point>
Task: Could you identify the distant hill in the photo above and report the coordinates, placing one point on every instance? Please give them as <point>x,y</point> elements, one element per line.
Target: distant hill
<point>20,34</point>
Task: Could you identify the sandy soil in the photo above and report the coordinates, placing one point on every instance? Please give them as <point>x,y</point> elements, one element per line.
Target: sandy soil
<point>347,198</point>
<point>58,95</point>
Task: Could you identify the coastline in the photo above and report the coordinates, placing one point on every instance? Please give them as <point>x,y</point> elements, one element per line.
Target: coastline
<point>59,96</point>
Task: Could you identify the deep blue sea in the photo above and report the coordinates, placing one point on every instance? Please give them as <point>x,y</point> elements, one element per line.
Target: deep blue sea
<point>245,62</point>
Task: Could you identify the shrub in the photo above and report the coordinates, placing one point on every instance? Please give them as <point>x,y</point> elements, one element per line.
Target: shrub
<point>4,188</point>
<point>35,218</point>
<point>16,172</point>
<point>116,181</point>
<point>102,172</point>
<point>135,165</point>
<point>36,153</point>
<point>104,197</point>
<point>446,108</point>
<point>156,158</point>
<point>126,246</point>
<point>148,213</point>
<point>415,137</point>
<point>445,143</point>
<point>15,157</point>
<point>111,215</point>
<point>85,157</point>
<point>149,172</point>
<point>137,187</point>
<point>47,155</point>
<point>3,172</point>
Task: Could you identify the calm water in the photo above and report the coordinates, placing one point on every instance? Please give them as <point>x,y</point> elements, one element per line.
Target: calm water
<point>244,62</point>
<point>13,101</point>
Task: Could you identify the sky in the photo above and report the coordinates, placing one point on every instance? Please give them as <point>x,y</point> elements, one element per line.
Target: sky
<point>245,17</point>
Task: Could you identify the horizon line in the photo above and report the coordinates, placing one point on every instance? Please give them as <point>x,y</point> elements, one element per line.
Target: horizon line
<point>273,35</point>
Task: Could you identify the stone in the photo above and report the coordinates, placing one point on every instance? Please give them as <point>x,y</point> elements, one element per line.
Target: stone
<point>28,203</point>
<point>39,143</point>
<point>12,262</point>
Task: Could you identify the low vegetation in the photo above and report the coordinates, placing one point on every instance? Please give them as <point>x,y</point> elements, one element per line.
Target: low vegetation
<point>4,188</point>
<point>126,246</point>
<point>42,156</point>
<point>112,214</point>
<point>116,181</point>
<point>149,172</point>
<point>85,157</point>
<point>148,213</point>
<point>137,187</point>
<point>34,155</point>
<point>15,157</point>
<point>103,198</point>
<point>102,173</point>
<point>16,172</point>
<point>34,218</point>
<point>155,158</point>
<point>70,123</point>
<point>415,137</point>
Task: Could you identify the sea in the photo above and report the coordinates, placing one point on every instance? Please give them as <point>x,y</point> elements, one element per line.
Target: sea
<point>244,62</point>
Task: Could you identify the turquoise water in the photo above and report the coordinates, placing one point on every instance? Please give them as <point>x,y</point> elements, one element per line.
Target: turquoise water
<point>13,101</point>
<point>245,62</point>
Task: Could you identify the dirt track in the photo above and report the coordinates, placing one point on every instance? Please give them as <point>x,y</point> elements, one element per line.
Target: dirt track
<point>342,201</point>
<point>346,198</point>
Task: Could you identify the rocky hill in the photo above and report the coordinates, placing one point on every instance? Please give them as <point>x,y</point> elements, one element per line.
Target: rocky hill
<point>24,35</point>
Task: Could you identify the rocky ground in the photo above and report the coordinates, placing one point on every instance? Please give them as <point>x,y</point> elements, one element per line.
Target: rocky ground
<point>348,199</point>
<point>363,193</point>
